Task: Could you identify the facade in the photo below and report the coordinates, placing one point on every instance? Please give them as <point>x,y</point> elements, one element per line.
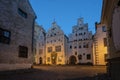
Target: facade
<point>16,34</point>
<point>80,44</point>
<point>100,45</point>
<point>39,44</point>
<point>111,18</point>
<point>56,43</point>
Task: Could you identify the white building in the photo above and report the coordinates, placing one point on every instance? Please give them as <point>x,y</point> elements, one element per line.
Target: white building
<point>39,45</point>
<point>100,45</point>
<point>56,43</point>
<point>80,44</point>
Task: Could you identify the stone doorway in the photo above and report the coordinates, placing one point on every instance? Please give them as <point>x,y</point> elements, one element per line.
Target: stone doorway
<point>72,60</point>
<point>53,57</point>
<point>40,60</point>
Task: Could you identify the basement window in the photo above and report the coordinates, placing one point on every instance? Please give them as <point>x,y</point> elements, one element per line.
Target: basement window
<point>23,52</point>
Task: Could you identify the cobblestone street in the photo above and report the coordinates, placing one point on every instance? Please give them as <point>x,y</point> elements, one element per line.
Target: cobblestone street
<point>56,73</point>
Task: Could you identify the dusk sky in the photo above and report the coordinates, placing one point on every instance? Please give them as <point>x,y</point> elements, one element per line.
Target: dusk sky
<point>66,13</point>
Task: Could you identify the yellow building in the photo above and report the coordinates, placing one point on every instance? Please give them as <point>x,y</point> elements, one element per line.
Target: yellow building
<point>111,18</point>
<point>100,45</point>
<point>56,43</point>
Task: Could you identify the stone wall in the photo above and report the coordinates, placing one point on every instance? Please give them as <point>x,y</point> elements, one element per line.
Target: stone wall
<point>20,31</point>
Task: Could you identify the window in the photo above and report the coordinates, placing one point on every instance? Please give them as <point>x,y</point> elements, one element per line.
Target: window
<point>76,34</point>
<point>105,42</point>
<point>70,47</point>
<point>103,28</point>
<point>49,49</point>
<point>81,28</point>
<point>83,53</point>
<point>75,40</point>
<point>84,33</point>
<point>79,57</point>
<point>75,47</point>
<point>105,57</point>
<point>88,56</point>
<point>51,35</point>
<point>79,46</point>
<point>85,45</point>
<point>80,33</point>
<point>119,3</point>
<point>4,36</point>
<point>75,53</point>
<point>40,51</point>
<point>57,48</point>
<point>53,28</point>
<point>48,59</point>
<point>59,59</point>
<point>23,51</point>
<point>22,13</point>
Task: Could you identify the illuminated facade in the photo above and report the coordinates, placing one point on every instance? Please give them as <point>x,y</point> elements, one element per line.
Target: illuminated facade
<point>56,43</point>
<point>39,44</point>
<point>16,34</point>
<point>111,18</point>
<point>80,44</point>
<point>100,45</point>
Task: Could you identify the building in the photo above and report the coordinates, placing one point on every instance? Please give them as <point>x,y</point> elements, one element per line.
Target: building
<point>80,44</point>
<point>16,34</point>
<point>39,44</point>
<point>100,45</point>
<point>56,43</point>
<point>111,18</point>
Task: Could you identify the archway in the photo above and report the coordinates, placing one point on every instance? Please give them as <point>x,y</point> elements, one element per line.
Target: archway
<point>40,60</point>
<point>72,60</point>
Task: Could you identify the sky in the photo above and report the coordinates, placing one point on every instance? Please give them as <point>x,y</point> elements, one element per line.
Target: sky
<point>66,13</point>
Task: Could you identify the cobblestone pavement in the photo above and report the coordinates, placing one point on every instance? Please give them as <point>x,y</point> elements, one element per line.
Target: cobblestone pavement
<point>57,73</point>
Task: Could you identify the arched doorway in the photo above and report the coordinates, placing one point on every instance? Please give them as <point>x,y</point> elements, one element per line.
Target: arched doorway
<point>72,60</point>
<point>40,60</point>
<point>53,57</point>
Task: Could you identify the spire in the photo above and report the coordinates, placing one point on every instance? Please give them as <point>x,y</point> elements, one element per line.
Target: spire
<point>54,23</point>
